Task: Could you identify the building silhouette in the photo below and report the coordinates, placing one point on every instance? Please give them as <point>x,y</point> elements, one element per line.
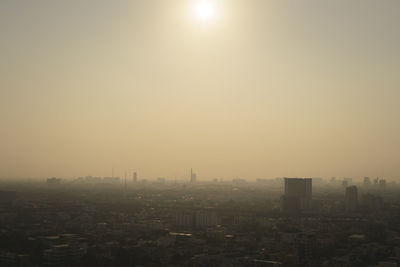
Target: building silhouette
<point>367,181</point>
<point>197,219</point>
<point>193,177</point>
<point>298,195</point>
<point>53,181</point>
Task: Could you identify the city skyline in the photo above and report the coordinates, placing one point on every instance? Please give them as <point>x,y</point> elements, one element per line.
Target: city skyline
<point>186,175</point>
<point>206,133</point>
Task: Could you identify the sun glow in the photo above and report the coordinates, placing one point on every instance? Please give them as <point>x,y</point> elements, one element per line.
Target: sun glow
<point>204,10</point>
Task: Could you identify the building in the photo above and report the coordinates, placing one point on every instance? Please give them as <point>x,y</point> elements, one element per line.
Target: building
<point>53,181</point>
<point>197,219</point>
<point>134,177</point>
<point>306,244</point>
<point>290,204</point>
<point>298,195</point>
<point>238,181</point>
<point>184,220</point>
<point>367,181</point>
<point>372,202</point>
<point>351,198</point>
<point>193,177</point>
<point>205,219</point>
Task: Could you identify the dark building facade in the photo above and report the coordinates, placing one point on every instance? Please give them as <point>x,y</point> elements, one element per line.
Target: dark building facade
<point>298,195</point>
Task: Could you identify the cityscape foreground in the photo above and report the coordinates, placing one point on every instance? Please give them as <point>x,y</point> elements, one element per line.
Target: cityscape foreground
<point>94,221</point>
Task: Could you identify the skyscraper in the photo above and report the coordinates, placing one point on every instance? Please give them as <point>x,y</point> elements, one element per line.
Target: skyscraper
<point>134,177</point>
<point>193,177</point>
<point>351,198</point>
<point>367,181</point>
<point>298,195</point>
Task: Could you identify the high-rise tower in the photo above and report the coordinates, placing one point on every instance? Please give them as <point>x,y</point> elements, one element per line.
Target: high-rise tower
<point>367,181</point>
<point>193,177</point>
<point>298,195</point>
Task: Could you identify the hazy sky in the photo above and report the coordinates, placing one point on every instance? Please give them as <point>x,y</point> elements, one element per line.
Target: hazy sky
<point>262,89</point>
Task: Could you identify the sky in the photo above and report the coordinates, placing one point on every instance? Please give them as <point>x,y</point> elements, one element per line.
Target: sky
<point>260,89</point>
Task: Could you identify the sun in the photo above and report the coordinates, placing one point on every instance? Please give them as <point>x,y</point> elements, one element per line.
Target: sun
<point>204,10</point>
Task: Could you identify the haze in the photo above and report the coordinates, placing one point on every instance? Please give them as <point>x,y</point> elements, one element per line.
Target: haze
<point>263,89</point>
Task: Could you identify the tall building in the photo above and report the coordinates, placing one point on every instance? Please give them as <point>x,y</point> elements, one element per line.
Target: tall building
<point>134,177</point>
<point>298,195</point>
<point>367,181</point>
<point>193,177</point>
<point>351,198</point>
